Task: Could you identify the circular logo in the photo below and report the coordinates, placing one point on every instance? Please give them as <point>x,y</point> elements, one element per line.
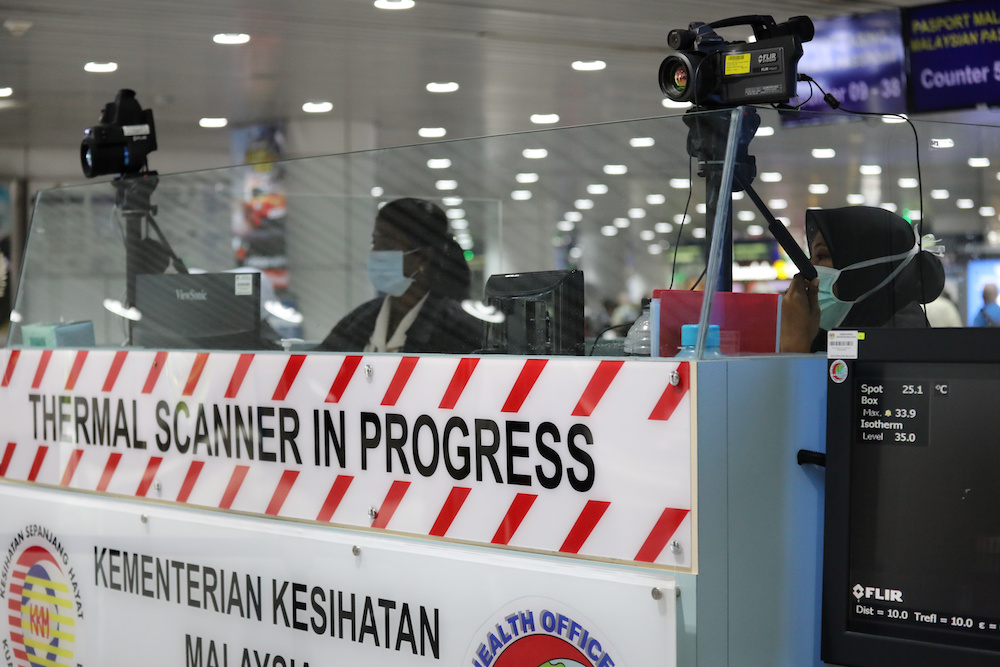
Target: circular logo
<point>838,371</point>
<point>42,612</point>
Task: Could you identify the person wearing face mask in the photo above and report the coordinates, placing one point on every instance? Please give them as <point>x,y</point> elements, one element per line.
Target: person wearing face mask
<point>421,276</point>
<point>872,273</point>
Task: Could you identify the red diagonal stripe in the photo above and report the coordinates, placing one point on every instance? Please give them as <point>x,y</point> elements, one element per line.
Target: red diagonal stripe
<point>235,482</point>
<point>449,511</point>
<point>194,376</point>
<point>148,476</point>
<point>525,381</point>
<point>7,455</point>
<point>11,363</point>
<point>344,376</point>
<point>115,370</point>
<point>189,481</point>
<point>154,373</point>
<point>599,383</point>
<point>661,533</point>
<point>515,515</point>
<point>74,373</point>
<point>109,471</point>
<point>399,380</point>
<point>36,465</point>
<point>672,395</point>
<point>288,377</point>
<point>389,505</point>
<point>239,374</point>
<point>285,485</point>
<point>74,460</point>
<point>333,498</point>
<point>584,526</point>
<point>458,382</point>
<point>43,363</point>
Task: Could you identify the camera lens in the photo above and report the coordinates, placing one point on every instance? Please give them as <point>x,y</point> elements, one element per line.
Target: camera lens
<point>98,160</point>
<point>685,77</point>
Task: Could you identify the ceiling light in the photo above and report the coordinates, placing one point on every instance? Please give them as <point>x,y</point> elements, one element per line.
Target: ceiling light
<point>535,153</point>
<point>615,169</point>
<point>656,199</point>
<point>100,68</point>
<point>908,183</point>
<point>655,249</point>
<point>770,177</point>
<point>764,131</point>
<point>823,153</point>
<point>818,188</point>
<point>680,183</point>
<point>746,216</point>
<point>432,132</point>
<point>663,228</point>
<point>647,235</point>
<point>6,92</point>
<point>544,118</point>
<point>979,162</point>
<point>778,204</point>
<point>584,204</point>
<point>785,221</point>
<point>565,226</point>
<point>755,230</point>
<point>438,163</point>
<point>670,104</point>
<point>889,206</point>
<point>395,4</point>
<point>855,199</point>
<point>573,216</point>
<point>738,195</point>
<point>987,211</point>
<point>213,122</point>
<point>680,219</point>
<point>870,170</point>
<point>894,118</point>
<point>317,107</point>
<point>588,65</point>
<point>455,213</point>
<point>597,189</point>
<point>964,203</point>
<point>701,208</point>
<point>637,213</point>
<point>942,143</point>
<point>520,195</point>
<point>459,224</point>
<point>621,223</point>
<point>446,185</point>
<point>231,38</point>
<point>698,232</point>
<point>448,87</point>
<point>451,201</point>
<point>576,252</point>
<point>378,191</point>
<point>609,230</point>
<point>526,177</point>
<point>641,142</point>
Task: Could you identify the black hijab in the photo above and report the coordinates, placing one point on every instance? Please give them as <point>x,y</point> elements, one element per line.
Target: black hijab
<point>857,233</point>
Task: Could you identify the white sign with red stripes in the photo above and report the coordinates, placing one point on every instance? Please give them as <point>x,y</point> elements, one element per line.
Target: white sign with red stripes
<point>589,457</point>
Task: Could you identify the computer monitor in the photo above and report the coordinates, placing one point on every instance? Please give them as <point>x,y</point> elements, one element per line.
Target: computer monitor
<point>198,311</point>
<point>542,313</point>
<point>912,529</point>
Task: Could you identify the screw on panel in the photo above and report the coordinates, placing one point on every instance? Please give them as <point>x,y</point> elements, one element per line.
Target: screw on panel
<point>144,518</point>
<point>356,550</point>
<point>675,547</point>
<point>675,378</point>
<point>657,593</point>
<point>368,371</point>
<point>373,513</point>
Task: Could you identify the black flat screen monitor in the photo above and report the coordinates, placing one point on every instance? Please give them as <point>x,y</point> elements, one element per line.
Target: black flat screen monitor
<point>912,530</point>
<point>542,313</point>
<point>219,311</point>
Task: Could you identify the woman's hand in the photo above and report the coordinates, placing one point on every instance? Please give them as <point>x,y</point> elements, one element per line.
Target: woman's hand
<point>799,315</point>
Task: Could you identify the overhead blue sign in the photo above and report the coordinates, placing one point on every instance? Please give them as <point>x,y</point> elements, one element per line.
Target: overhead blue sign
<point>954,51</point>
<point>857,59</point>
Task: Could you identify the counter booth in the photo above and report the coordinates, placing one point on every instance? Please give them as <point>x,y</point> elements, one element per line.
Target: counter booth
<point>190,478</point>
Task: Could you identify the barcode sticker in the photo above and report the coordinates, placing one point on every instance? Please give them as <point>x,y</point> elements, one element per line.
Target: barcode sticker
<point>842,345</point>
<point>244,284</point>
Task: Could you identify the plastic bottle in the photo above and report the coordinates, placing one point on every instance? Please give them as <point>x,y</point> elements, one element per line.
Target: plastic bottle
<point>689,339</point>
<point>638,339</point>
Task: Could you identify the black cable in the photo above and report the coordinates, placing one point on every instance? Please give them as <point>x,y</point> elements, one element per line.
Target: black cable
<point>680,227</point>
<point>604,331</point>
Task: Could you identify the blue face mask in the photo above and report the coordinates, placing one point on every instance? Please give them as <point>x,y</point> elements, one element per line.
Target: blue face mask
<point>832,309</point>
<point>385,270</point>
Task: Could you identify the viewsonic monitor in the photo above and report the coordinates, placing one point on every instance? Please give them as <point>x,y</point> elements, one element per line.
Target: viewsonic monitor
<point>542,313</point>
<point>912,530</point>
<point>198,311</point>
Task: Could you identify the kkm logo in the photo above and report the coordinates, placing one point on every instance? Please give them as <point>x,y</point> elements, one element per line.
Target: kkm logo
<point>38,588</point>
<point>538,632</point>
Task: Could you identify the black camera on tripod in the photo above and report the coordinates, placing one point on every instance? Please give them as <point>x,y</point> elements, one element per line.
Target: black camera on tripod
<point>709,71</point>
<point>121,140</point>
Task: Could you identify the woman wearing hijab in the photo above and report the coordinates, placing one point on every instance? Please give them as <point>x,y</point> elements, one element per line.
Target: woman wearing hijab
<point>872,273</point>
<point>421,276</point>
